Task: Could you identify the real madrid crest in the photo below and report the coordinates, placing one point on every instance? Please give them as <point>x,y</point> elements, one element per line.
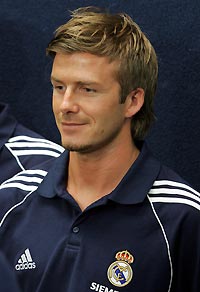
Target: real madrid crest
<point>120,272</point>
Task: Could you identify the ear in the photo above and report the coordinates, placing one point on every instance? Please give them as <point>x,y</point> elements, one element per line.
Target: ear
<point>134,102</point>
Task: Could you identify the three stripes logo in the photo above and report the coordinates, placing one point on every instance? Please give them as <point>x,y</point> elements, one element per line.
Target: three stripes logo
<point>25,262</point>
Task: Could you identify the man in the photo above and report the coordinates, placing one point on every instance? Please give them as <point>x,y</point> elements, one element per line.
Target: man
<point>20,147</point>
<point>107,216</point>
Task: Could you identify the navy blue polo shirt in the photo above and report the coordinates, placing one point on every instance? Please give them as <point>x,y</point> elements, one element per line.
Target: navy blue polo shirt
<point>144,236</point>
<point>7,280</point>
<point>20,147</point>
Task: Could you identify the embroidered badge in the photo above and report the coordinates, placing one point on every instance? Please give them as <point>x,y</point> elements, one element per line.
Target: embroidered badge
<point>120,272</point>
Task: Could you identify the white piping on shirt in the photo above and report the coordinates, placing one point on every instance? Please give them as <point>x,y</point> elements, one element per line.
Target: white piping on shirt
<point>166,241</point>
<point>13,207</point>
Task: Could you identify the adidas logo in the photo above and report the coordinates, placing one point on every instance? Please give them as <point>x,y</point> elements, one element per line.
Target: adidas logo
<point>25,262</point>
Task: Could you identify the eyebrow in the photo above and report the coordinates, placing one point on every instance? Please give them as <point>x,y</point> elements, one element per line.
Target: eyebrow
<point>87,83</point>
<point>78,82</point>
<point>55,79</point>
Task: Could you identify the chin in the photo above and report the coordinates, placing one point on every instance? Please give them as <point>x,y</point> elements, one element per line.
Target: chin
<point>82,148</point>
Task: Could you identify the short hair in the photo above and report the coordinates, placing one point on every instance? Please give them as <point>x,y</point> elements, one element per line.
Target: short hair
<point>119,38</point>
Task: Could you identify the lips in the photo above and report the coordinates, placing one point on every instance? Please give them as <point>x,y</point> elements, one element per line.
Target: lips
<point>71,124</point>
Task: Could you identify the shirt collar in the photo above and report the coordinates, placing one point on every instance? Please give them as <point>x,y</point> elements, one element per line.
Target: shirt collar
<point>137,182</point>
<point>7,123</point>
<point>132,189</point>
<point>55,181</point>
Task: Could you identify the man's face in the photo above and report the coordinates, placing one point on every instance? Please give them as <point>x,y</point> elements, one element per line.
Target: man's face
<point>86,103</point>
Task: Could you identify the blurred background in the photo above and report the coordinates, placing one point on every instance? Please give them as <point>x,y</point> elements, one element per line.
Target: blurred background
<point>173,27</point>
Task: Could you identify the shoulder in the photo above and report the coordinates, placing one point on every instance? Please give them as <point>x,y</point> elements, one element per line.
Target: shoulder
<point>30,143</point>
<point>169,187</point>
<point>20,147</point>
<point>25,151</point>
<point>175,204</point>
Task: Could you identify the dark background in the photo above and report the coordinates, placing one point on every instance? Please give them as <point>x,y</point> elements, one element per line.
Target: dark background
<point>173,26</point>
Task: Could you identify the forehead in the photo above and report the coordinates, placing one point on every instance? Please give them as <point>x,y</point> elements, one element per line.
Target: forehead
<point>84,64</point>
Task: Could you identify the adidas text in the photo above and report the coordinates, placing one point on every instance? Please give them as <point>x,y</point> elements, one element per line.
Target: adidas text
<point>25,266</point>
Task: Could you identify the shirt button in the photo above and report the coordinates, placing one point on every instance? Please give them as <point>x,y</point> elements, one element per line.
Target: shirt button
<point>75,229</point>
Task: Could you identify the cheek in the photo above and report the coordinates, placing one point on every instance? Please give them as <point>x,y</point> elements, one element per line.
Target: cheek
<point>102,121</point>
<point>55,105</point>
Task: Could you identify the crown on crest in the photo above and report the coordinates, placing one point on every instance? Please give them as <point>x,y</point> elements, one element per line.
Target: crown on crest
<point>124,256</point>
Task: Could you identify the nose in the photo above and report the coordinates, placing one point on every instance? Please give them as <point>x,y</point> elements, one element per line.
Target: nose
<point>69,102</point>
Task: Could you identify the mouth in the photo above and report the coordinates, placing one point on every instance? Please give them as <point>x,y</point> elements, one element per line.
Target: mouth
<point>71,124</point>
<point>67,126</point>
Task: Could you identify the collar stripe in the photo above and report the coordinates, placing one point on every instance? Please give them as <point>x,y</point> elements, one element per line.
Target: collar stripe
<point>25,180</point>
<point>19,186</point>
<point>33,145</point>
<point>176,201</point>
<point>33,152</point>
<point>174,184</point>
<point>171,192</point>
<point>40,140</point>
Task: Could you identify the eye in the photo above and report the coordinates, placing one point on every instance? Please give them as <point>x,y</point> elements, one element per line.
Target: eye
<point>88,89</point>
<point>58,88</point>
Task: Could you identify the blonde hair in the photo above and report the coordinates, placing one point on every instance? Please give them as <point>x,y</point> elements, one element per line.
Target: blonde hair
<point>119,38</point>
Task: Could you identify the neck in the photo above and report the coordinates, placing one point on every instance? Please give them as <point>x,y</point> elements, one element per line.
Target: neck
<point>94,175</point>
